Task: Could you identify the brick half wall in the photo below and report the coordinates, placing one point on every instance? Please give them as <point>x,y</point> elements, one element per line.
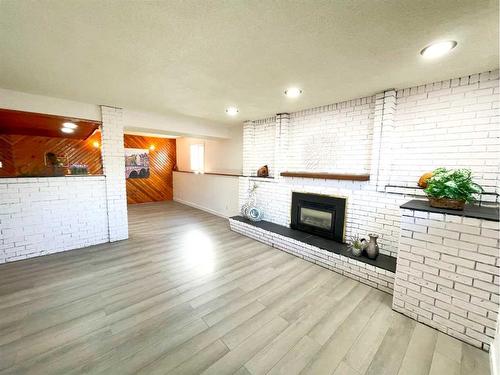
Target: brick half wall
<point>447,274</point>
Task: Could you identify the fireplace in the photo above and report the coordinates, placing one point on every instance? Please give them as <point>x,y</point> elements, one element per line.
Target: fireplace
<point>322,215</point>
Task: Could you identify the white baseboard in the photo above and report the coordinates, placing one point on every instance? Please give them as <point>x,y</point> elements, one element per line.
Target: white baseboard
<point>494,358</point>
<point>206,209</point>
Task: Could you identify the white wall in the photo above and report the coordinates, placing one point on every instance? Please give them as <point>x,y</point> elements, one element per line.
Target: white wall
<point>395,135</point>
<point>221,155</point>
<point>21,101</point>
<point>212,193</point>
<point>259,145</point>
<point>172,124</point>
<point>495,352</point>
<point>453,123</point>
<point>45,215</point>
<point>175,124</point>
<point>336,139</point>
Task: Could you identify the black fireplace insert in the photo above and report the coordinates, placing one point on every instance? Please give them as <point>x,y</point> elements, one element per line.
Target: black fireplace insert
<point>317,214</point>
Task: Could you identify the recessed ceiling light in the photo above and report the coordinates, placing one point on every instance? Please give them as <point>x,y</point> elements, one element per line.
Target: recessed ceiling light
<point>67,130</point>
<point>232,111</point>
<point>438,49</point>
<point>293,92</point>
<point>70,125</point>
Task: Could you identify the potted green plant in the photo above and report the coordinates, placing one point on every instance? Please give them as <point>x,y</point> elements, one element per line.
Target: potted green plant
<point>451,188</point>
<point>357,245</point>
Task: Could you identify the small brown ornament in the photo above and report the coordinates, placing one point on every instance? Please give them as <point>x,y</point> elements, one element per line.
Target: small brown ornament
<point>263,171</point>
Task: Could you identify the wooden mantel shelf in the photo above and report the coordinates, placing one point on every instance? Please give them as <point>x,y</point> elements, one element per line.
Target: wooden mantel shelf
<point>328,176</point>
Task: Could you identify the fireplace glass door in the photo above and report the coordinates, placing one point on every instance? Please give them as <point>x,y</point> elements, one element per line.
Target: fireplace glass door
<point>317,218</point>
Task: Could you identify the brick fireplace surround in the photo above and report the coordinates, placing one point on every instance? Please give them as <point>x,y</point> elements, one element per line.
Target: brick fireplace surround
<point>447,273</point>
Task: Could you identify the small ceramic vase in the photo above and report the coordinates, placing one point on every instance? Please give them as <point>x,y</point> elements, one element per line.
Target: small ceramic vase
<point>372,248</point>
<point>357,251</point>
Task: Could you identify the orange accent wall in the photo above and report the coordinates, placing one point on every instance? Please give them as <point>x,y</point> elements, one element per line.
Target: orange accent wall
<point>159,185</point>
<point>25,155</point>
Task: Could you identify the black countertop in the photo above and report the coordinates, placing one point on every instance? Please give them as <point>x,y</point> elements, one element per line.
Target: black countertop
<point>477,212</point>
<point>383,261</point>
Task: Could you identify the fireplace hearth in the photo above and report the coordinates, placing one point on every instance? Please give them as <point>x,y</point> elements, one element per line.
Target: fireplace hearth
<point>322,215</point>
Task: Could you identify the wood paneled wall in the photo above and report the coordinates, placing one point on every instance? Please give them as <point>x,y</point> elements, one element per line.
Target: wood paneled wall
<point>8,169</point>
<point>159,185</point>
<point>25,155</point>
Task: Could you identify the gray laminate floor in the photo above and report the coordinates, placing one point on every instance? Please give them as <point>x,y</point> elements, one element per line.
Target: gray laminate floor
<point>184,295</point>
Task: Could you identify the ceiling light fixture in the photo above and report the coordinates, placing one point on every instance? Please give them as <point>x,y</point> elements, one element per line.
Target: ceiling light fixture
<point>293,92</point>
<point>70,125</point>
<point>438,49</point>
<point>67,130</point>
<point>232,111</point>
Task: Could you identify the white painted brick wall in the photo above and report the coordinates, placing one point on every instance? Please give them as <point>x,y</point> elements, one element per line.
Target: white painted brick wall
<point>45,215</point>
<point>445,275</point>
<point>452,123</point>
<point>258,145</point>
<point>333,138</point>
<point>368,211</point>
<point>378,135</point>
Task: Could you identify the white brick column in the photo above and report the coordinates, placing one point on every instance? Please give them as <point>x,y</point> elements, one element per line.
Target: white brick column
<point>447,274</point>
<point>383,129</point>
<point>281,143</point>
<point>248,147</point>
<point>113,159</point>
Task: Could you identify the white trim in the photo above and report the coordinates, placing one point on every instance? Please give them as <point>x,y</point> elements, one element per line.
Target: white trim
<point>494,358</point>
<point>194,205</point>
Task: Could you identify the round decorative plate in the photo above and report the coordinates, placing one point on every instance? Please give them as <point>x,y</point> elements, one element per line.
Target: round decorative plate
<point>255,214</point>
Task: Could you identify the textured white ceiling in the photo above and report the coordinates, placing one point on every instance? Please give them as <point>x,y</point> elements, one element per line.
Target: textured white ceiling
<point>199,57</point>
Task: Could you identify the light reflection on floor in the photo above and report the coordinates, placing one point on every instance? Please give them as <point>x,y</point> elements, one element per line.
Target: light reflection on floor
<point>198,251</point>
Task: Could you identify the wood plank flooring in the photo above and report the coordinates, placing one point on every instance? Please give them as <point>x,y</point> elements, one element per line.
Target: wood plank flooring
<point>185,295</point>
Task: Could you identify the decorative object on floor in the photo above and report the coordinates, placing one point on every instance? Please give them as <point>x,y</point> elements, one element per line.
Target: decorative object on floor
<point>263,171</point>
<point>251,200</point>
<point>249,209</point>
<point>136,163</point>
<point>357,245</point>
<point>451,189</point>
<point>372,248</point>
<point>422,181</point>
